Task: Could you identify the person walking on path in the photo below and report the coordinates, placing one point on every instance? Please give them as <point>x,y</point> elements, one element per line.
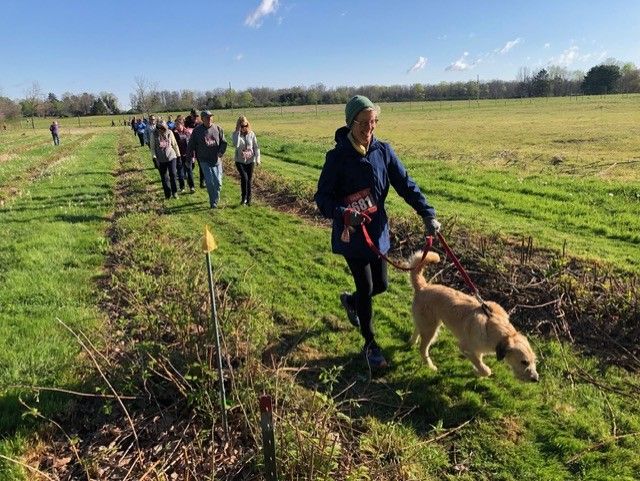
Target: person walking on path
<point>208,144</point>
<point>352,188</point>
<point>140,129</point>
<point>148,134</point>
<point>165,154</point>
<point>185,164</point>
<point>54,128</point>
<point>247,156</point>
<point>190,122</point>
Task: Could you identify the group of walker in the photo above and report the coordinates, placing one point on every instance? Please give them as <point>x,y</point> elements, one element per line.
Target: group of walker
<point>177,145</point>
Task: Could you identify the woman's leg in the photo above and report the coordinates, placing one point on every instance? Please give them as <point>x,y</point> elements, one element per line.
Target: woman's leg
<point>187,164</point>
<point>370,277</point>
<point>243,180</point>
<point>172,176</point>
<point>163,168</point>
<point>249,169</point>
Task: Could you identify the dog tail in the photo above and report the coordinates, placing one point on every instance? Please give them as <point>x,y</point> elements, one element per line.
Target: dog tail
<point>417,278</point>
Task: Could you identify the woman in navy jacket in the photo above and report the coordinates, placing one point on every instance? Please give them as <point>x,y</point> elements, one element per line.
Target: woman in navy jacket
<point>352,188</point>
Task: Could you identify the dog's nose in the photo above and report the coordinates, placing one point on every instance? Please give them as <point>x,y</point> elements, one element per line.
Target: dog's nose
<point>534,378</point>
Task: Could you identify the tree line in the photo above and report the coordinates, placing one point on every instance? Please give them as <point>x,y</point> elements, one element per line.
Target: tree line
<point>611,76</point>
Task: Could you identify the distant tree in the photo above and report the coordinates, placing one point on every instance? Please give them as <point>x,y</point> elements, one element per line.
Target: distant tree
<point>98,107</point>
<point>523,79</point>
<point>629,78</point>
<point>33,104</point>
<point>601,79</point>
<point>143,98</point>
<point>8,109</point>
<point>245,99</point>
<point>541,84</point>
<point>110,101</point>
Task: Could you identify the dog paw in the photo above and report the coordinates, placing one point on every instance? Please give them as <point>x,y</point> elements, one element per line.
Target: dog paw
<point>430,364</point>
<point>483,371</point>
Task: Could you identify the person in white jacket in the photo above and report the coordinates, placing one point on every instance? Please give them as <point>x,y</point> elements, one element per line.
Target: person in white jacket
<point>247,156</point>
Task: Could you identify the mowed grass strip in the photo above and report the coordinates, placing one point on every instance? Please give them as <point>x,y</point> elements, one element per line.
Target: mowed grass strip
<point>21,163</point>
<point>51,251</point>
<point>562,428</point>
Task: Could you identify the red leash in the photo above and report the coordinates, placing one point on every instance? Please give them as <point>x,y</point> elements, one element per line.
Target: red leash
<point>425,250</point>
<point>463,273</point>
<point>427,247</point>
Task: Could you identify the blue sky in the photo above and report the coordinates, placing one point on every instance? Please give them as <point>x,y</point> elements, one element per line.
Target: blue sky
<point>77,46</point>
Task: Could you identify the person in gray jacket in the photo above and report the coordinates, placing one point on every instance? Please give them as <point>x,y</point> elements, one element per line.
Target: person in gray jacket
<point>247,155</point>
<point>209,145</point>
<point>165,153</point>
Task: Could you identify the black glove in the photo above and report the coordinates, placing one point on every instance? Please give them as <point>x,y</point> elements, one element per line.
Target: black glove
<point>352,217</point>
<point>431,225</point>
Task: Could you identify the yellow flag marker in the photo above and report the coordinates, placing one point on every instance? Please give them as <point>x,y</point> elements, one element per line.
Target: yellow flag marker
<point>208,242</point>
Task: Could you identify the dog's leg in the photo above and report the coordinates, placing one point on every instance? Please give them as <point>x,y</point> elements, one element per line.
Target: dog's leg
<point>481,368</point>
<point>427,337</point>
<point>414,337</point>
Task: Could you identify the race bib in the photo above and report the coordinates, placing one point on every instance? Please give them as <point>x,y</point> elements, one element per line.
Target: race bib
<point>362,201</point>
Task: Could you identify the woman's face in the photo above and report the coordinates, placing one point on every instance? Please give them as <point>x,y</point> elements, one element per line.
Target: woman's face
<point>363,126</point>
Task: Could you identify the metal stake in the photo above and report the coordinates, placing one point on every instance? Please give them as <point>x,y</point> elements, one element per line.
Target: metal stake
<point>210,244</point>
<point>268,438</point>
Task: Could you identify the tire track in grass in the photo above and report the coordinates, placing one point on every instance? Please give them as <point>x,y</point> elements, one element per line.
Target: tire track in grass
<point>35,169</point>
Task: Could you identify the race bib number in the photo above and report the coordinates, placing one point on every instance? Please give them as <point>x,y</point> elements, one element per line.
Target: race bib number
<point>362,201</point>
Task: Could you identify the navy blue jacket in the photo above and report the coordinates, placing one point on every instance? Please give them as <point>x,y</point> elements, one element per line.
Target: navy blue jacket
<point>350,180</point>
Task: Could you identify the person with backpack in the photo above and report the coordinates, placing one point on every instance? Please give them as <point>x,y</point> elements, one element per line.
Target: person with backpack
<point>352,190</point>
<point>208,144</point>
<point>165,151</point>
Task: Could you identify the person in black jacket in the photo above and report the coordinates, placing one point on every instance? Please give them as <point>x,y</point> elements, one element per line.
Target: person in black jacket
<point>352,189</point>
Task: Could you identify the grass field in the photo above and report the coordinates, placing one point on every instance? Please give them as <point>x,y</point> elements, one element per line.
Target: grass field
<point>490,167</point>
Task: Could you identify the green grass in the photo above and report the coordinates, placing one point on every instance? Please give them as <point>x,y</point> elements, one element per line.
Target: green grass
<point>562,428</point>
<point>53,249</point>
<point>51,252</point>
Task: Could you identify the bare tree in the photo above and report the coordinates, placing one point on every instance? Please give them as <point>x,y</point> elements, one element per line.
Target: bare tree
<point>33,103</point>
<point>144,96</point>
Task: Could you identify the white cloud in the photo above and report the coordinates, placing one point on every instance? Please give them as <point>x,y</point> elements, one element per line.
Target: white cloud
<point>567,57</point>
<point>239,57</point>
<point>547,45</point>
<point>419,65</point>
<point>266,7</point>
<point>460,64</point>
<point>509,45</point>
<point>573,55</point>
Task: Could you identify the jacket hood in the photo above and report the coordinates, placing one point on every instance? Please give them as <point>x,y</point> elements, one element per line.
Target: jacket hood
<point>341,135</point>
<point>343,142</point>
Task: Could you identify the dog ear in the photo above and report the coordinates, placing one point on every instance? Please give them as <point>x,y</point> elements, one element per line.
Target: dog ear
<point>502,348</point>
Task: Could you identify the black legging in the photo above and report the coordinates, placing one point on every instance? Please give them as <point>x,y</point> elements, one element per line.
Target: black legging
<point>246,172</point>
<point>370,277</point>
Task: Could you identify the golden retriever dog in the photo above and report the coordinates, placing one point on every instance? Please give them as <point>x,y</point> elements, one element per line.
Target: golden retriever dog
<point>479,329</point>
